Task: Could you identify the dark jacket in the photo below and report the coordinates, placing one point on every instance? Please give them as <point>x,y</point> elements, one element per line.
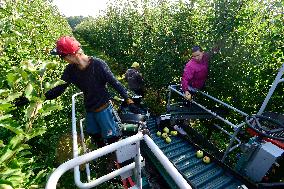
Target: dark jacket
<point>92,81</point>
<point>134,79</point>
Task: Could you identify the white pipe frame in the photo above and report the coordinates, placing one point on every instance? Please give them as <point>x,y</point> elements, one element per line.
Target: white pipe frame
<point>83,159</point>
<point>75,162</point>
<point>74,134</point>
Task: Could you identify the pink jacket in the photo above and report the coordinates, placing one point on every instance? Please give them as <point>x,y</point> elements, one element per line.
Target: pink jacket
<point>195,73</point>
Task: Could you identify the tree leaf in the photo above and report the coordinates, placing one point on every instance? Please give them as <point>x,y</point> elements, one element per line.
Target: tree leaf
<point>15,141</point>
<point>14,164</point>
<point>48,108</point>
<point>30,110</point>
<point>4,92</point>
<point>2,144</point>
<point>56,83</point>
<point>6,186</point>
<point>12,78</point>
<point>50,66</point>
<point>13,96</point>
<point>16,179</point>
<point>13,129</point>
<point>5,107</point>
<point>47,86</point>
<point>36,132</point>
<point>40,175</point>
<point>6,155</point>
<point>3,117</point>
<point>5,182</point>
<point>28,91</point>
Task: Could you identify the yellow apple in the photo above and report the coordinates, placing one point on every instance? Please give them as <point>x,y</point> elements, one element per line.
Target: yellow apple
<point>168,140</point>
<point>164,135</point>
<point>174,133</point>
<point>199,154</point>
<point>206,159</point>
<point>166,130</point>
<point>159,133</point>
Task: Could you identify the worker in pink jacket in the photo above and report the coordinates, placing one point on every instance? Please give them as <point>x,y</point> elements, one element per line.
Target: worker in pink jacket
<point>195,72</point>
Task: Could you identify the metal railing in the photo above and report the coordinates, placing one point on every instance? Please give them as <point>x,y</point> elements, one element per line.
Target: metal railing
<point>169,167</point>
<point>236,128</point>
<point>84,159</point>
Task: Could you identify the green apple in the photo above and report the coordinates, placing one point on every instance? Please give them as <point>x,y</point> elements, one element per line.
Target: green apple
<point>168,140</point>
<point>174,133</point>
<point>199,154</point>
<point>166,130</point>
<point>206,159</point>
<point>159,133</point>
<point>164,135</point>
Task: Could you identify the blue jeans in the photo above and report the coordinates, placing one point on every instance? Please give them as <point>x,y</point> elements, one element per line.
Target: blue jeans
<point>102,123</point>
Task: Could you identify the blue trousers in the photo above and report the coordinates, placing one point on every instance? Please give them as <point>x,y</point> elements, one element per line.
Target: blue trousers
<point>102,123</point>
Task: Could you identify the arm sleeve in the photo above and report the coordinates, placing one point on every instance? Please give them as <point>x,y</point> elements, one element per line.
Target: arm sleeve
<point>139,78</point>
<point>113,81</point>
<point>56,91</point>
<point>188,74</point>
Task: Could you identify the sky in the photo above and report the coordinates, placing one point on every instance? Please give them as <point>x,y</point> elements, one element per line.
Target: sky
<point>83,7</point>
<point>80,7</point>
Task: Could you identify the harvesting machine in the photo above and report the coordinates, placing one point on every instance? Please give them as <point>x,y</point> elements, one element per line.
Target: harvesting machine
<point>253,157</point>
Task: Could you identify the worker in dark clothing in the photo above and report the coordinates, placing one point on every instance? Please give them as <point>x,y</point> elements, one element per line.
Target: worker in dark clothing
<point>90,75</point>
<point>134,79</point>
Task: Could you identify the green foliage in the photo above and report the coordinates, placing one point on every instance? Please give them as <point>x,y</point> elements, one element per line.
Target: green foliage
<point>27,81</point>
<point>160,35</point>
<point>28,31</point>
<point>157,35</point>
<point>73,21</point>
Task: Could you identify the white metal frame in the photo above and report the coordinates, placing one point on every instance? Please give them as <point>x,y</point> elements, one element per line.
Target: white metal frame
<point>75,162</point>
<point>84,159</point>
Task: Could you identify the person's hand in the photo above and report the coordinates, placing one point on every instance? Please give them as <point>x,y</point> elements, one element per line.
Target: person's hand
<point>187,95</point>
<point>129,101</point>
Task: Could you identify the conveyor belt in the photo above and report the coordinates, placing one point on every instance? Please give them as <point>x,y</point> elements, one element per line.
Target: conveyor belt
<point>183,156</point>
